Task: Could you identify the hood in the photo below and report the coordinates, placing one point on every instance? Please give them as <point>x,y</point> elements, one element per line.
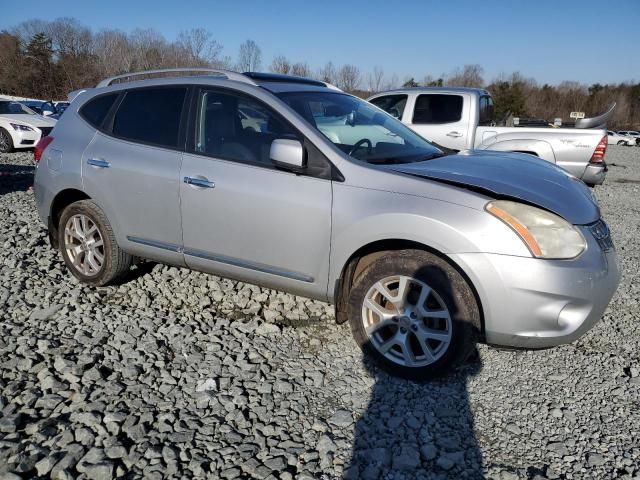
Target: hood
<point>516,176</point>
<point>31,120</point>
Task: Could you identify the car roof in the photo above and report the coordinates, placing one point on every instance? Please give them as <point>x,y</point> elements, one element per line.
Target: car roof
<point>474,91</point>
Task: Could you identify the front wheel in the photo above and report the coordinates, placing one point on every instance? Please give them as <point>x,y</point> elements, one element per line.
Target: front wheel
<point>622,142</point>
<point>414,313</point>
<point>6,142</point>
<point>89,246</point>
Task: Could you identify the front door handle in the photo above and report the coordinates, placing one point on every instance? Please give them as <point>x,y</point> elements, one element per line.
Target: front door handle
<point>199,182</point>
<point>454,134</point>
<point>98,162</point>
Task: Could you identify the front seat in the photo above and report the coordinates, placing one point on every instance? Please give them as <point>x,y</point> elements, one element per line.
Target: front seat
<point>223,129</point>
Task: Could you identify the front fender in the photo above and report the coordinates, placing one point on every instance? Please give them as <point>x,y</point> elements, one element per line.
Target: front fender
<point>362,217</point>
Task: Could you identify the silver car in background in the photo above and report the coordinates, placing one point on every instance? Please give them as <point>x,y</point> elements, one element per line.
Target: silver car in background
<point>290,183</point>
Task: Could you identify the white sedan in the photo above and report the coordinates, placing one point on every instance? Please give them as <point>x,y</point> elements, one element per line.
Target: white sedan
<point>21,127</point>
<point>614,138</point>
<point>632,134</point>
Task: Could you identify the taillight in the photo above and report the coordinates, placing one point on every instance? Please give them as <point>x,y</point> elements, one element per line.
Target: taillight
<point>601,149</point>
<point>40,147</point>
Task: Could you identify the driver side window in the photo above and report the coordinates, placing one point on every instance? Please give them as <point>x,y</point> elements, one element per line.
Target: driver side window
<point>235,127</point>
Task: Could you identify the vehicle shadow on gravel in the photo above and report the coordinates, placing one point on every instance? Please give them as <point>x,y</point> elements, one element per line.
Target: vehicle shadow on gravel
<point>15,178</point>
<point>417,430</point>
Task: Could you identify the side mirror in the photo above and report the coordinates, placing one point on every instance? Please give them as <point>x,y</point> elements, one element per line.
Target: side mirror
<point>288,154</point>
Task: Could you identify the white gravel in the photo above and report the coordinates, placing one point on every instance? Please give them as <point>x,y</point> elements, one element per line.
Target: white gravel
<point>180,374</point>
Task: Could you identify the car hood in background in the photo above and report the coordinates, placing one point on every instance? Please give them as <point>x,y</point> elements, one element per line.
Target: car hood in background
<point>513,175</point>
<point>33,120</point>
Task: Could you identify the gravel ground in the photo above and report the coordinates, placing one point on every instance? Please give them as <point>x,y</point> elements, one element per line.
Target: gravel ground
<point>179,374</point>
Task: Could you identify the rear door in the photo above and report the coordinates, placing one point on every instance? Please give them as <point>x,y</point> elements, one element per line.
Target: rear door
<point>131,168</point>
<point>443,118</point>
<point>241,217</point>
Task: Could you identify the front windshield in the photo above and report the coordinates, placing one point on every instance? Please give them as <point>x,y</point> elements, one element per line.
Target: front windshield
<point>360,129</point>
<point>15,107</point>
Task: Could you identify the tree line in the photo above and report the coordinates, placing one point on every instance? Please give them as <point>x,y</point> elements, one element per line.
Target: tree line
<point>48,59</point>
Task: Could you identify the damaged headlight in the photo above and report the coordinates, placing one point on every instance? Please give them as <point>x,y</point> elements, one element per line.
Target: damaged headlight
<point>546,235</point>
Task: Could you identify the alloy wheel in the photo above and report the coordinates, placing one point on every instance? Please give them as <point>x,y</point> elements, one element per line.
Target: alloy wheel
<point>407,321</point>
<point>84,245</point>
<point>4,142</point>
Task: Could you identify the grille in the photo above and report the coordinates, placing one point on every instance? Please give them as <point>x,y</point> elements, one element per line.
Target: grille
<point>45,130</point>
<point>602,234</point>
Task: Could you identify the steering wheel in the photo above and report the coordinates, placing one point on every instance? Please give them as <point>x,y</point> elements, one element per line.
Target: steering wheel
<point>359,145</point>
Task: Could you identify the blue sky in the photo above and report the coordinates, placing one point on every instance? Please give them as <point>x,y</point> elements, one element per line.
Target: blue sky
<point>551,40</point>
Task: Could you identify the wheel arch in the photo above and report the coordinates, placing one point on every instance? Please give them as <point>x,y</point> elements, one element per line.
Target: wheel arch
<point>539,148</point>
<point>368,253</point>
<point>62,200</point>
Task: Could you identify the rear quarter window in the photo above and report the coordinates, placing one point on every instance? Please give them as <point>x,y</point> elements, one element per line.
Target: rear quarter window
<point>392,104</point>
<point>96,109</point>
<point>437,108</point>
<point>150,116</point>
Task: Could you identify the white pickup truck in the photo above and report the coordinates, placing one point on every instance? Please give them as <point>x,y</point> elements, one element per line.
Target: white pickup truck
<point>462,119</point>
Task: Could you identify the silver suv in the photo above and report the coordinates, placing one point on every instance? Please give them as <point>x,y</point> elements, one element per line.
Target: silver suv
<point>292,184</point>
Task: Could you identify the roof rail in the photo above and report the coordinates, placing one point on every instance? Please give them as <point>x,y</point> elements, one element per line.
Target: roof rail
<point>229,75</point>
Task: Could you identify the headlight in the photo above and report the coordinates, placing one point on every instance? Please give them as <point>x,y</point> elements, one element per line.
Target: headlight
<point>24,128</point>
<point>547,235</point>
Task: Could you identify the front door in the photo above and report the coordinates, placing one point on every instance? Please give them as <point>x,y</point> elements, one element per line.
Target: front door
<point>443,119</point>
<point>242,217</point>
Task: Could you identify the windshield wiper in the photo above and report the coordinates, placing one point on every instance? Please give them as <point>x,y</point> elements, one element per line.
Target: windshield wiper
<point>400,160</point>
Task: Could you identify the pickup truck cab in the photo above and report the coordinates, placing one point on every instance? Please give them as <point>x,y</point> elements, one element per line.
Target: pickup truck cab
<point>462,119</point>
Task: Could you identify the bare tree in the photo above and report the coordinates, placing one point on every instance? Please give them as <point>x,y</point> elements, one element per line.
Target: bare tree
<point>114,52</point>
<point>250,57</point>
<point>376,77</point>
<point>25,31</point>
<point>349,77</point>
<point>280,64</point>
<point>200,47</point>
<point>327,73</point>
<point>301,69</point>
<point>69,37</point>
<point>392,83</point>
<point>469,76</point>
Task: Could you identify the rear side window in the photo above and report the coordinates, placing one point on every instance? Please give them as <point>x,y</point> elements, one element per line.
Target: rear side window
<point>438,108</point>
<point>151,116</point>
<point>95,110</point>
<point>392,104</point>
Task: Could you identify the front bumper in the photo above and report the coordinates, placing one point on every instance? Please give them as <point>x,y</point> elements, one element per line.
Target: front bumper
<point>535,303</point>
<point>25,139</point>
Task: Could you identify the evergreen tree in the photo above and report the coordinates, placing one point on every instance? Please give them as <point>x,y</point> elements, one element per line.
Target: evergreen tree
<point>508,97</point>
<point>39,48</point>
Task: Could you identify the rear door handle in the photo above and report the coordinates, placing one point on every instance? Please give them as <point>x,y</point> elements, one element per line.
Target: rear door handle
<point>199,182</point>
<point>454,134</point>
<point>98,162</point>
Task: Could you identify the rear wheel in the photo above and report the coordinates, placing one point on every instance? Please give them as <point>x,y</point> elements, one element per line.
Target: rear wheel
<point>89,246</point>
<point>6,142</point>
<point>414,313</point>
<point>622,142</point>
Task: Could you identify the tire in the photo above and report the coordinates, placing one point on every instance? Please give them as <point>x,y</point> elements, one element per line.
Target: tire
<point>77,252</point>
<point>448,291</point>
<point>622,142</point>
<point>6,142</point>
